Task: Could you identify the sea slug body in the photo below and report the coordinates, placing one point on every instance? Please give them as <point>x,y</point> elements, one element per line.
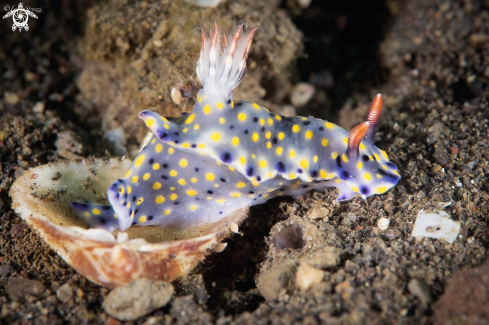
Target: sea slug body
<point>226,154</point>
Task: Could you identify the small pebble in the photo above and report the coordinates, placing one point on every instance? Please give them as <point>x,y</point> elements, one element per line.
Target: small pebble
<point>39,108</point>
<point>11,98</point>
<point>138,298</point>
<point>383,223</point>
<point>176,96</point>
<point>308,276</point>
<point>158,43</point>
<point>234,227</point>
<point>18,287</point>
<point>64,293</point>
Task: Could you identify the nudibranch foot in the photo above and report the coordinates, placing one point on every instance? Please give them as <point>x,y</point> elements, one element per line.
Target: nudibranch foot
<point>96,215</point>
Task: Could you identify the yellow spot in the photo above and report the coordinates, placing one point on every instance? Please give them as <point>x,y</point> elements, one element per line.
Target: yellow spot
<point>128,173</point>
<point>191,193</point>
<point>262,121</point>
<point>216,185</point>
<point>255,137</point>
<point>206,109</point>
<point>232,104</point>
<point>210,177</point>
<point>379,176</point>
<point>159,199</point>
<point>309,134</point>
<point>241,117</point>
<point>304,163</point>
<point>96,212</point>
<point>292,176</point>
<point>140,200</point>
<point>337,181</point>
<point>268,135</point>
<point>381,190</point>
<point>220,201</point>
<point>344,157</point>
<point>240,185</point>
<point>150,122</point>
<point>304,118</point>
<point>156,186</point>
<point>315,159</point>
<point>218,162</point>
<point>158,148</point>
<point>292,153</point>
<point>262,163</point>
<point>254,182</point>
<point>146,176</point>
<point>173,196</point>
<point>235,195</point>
<point>139,161</point>
<point>129,189</point>
<point>231,168</point>
<point>269,145</point>
<point>173,173</point>
<point>323,174</point>
<point>345,140</point>
<point>190,119</point>
<point>355,189</point>
<point>199,99</point>
<point>156,166</point>
<point>235,141</point>
<point>216,136</point>
<point>167,212</point>
<point>86,214</point>
<point>142,219</point>
<point>153,141</point>
<point>183,162</point>
<point>384,154</point>
<point>166,126</point>
<point>196,127</point>
<point>171,151</point>
<point>194,180</point>
<point>278,117</point>
<point>385,166</point>
<point>334,154</point>
<point>185,131</point>
<point>362,146</point>
<point>172,188</point>
<point>279,150</point>
<point>377,157</point>
<point>253,156</point>
<point>281,135</point>
<point>270,121</point>
<point>242,160</point>
<point>329,125</point>
<point>182,182</point>
<point>367,176</point>
<point>115,215</point>
<point>193,207</point>
<point>201,146</point>
<point>256,106</point>
<point>324,142</point>
<point>121,190</point>
<point>222,120</point>
<point>296,128</point>
<point>219,105</point>
<point>135,179</point>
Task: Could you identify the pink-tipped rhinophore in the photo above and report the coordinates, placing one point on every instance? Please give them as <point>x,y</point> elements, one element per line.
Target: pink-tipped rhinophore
<point>355,137</point>
<point>374,116</point>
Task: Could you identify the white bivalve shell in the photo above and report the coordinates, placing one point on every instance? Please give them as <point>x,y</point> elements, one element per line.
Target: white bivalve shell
<point>41,197</point>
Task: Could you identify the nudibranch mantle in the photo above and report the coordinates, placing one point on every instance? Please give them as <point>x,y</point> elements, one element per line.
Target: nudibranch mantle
<point>225,155</point>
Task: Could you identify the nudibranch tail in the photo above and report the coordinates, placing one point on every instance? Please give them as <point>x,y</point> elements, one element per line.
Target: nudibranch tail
<point>96,215</point>
<point>355,137</point>
<point>374,116</point>
<point>220,72</point>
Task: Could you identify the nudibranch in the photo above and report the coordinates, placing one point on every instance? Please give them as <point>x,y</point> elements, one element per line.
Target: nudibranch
<point>225,155</point>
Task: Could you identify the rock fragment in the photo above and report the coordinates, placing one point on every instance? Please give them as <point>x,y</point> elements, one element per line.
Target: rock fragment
<point>325,258</point>
<point>64,293</point>
<point>277,280</point>
<point>19,287</point>
<point>138,298</point>
<point>308,276</point>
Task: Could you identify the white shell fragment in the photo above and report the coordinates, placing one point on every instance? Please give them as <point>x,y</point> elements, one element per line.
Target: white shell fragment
<point>383,223</point>
<point>302,94</point>
<point>176,96</point>
<point>41,197</point>
<point>436,225</point>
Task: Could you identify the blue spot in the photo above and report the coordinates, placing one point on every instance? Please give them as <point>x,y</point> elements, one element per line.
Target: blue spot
<point>365,158</point>
<point>299,171</point>
<point>389,177</point>
<point>162,135</point>
<point>314,173</point>
<point>249,172</point>
<point>391,165</point>
<point>226,157</point>
<point>338,161</point>
<point>364,190</point>
<point>344,175</point>
<point>280,167</point>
